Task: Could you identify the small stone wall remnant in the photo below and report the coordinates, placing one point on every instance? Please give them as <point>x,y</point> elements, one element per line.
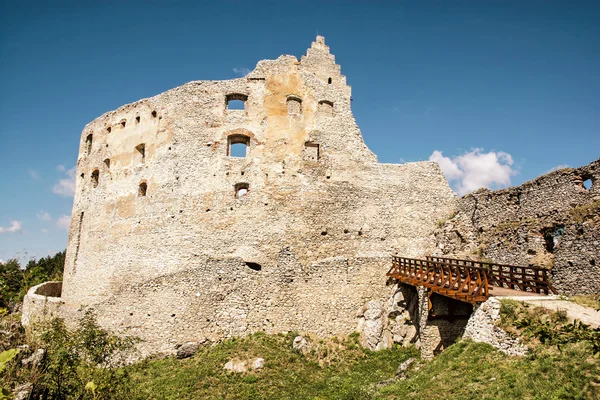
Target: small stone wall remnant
<point>42,302</point>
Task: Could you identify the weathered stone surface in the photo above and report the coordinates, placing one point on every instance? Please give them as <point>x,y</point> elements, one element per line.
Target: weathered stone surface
<point>300,343</point>
<point>258,363</point>
<point>35,359</point>
<point>236,366</point>
<point>483,327</point>
<point>402,368</point>
<point>551,221</point>
<point>177,238</point>
<point>188,349</point>
<point>22,392</point>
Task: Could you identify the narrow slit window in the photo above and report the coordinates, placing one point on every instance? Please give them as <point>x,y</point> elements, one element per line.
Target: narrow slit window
<point>88,143</point>
<point>95,178</point>
<point>143,188</point>
<point>137,119</point>
<point>329,81</point>
<point>238,146</point>
<point>236,101</point>
<point>107,163</point>
<point>141,152</point>
<point>294,106</point>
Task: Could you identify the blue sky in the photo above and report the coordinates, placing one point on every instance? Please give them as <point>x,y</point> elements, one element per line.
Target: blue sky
<point>498,92</point>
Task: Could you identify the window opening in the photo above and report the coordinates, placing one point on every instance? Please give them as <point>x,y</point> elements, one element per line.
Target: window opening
<point>254,266</point>
<point>95,177</point>
<point>241,190</point>
<point>237,146</point>
<point>552,237</point>
<point>329,81</point>
<point>587,183</point>
<point>236,101</point>
<point>294,106</point>
<point>326,108</point>
<point>153,114</point>
<point>88,143</point>
<point>311,151</point>
<point>141,149</point>
<point>143,188</point>
<point>108,129</point>
<point>123,123</point>
<point>107,163</point>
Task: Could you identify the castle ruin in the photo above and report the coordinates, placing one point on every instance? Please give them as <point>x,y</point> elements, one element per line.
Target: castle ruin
<point>196,219</point>
<point>178,234</point>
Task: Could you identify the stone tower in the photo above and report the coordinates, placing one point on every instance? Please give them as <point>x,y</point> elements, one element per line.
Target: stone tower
<point>176,234</point>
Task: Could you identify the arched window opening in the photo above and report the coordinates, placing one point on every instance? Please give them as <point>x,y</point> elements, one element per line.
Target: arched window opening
<point>137,119</point>
<point>95,178</point>
<point>311,151</point>
<point>143,188</point>
<point>294,106</point>
<point>153,114</point>
<point>237,146</point>
<point>123,123</point>
<point>329,81</point>
<point>326,108</point>
<point>88,143</point>
<point>241,190</point>
<point>236,101</point>
<point>587,182</point>
<point>141,152</point>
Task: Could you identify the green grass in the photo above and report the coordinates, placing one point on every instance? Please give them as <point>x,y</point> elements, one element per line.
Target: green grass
<point>590,300</point>
<point>466,370</point>
<point>339,370</point>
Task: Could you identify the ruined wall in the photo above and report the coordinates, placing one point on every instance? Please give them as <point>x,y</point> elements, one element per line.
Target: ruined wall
<point>551,221</point>
<point>173,237</point>
<point>41,303</point>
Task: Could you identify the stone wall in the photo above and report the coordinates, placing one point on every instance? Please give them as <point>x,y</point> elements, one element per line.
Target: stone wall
<point>405,318</point>
<point>172,237</point>
<point>42,302</point>
<point>551,221</point>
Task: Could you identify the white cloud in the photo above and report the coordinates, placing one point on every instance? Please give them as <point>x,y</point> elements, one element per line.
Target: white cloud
<point>33,174</point>
<point>66,186</point>
<point>241,71</point>
<point>15,226</point>
<point>63,222</point>
<point>44,216</point>
<point>60,168</point>
<point>476,169</point>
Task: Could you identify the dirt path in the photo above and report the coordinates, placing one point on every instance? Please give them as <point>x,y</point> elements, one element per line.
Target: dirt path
<point>586,315</point>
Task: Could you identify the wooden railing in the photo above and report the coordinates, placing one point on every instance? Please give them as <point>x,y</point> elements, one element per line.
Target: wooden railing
<point>530,278</point>
<point>462,282</point>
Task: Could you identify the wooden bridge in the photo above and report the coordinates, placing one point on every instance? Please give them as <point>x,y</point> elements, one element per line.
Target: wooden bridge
<point>467,280</point>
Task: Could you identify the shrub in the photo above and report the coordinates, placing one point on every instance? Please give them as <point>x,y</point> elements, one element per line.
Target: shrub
<point>84,363</point>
